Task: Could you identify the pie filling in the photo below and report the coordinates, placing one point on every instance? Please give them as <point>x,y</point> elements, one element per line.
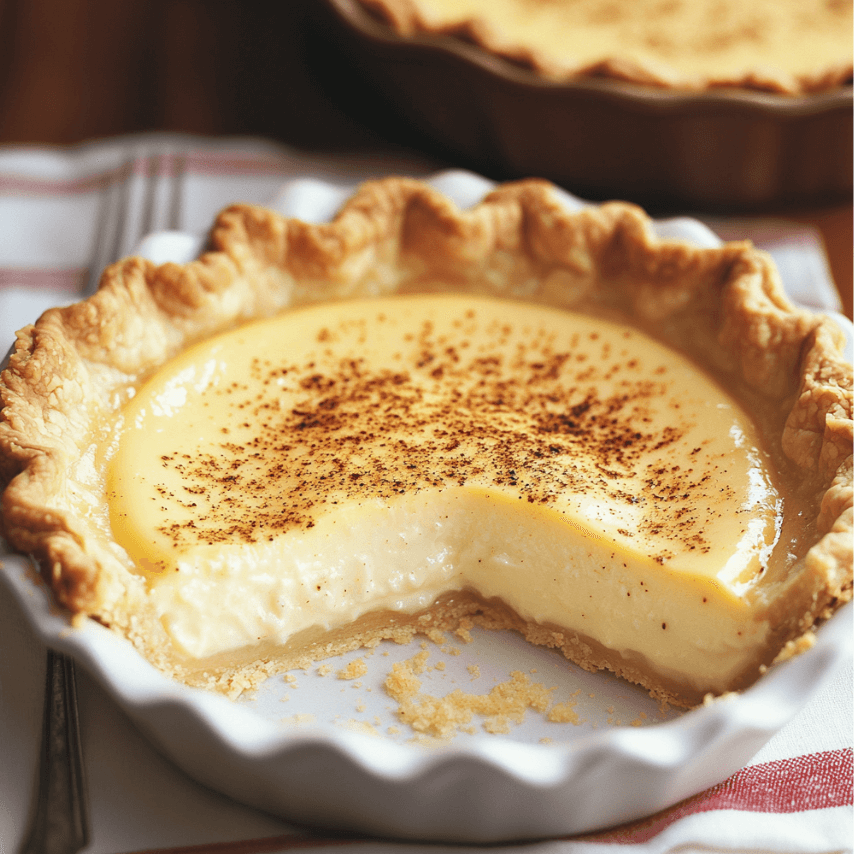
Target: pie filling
<point>300,474</point>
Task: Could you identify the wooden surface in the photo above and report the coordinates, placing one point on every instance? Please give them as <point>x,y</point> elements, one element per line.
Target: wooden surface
<point>835,226</point>
<point>79,69</point>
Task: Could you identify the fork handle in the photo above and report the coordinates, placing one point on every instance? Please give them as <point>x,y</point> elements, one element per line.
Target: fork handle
<point>59,823</point>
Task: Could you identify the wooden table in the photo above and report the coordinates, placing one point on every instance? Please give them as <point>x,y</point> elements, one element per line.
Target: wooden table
<point>835,226</point>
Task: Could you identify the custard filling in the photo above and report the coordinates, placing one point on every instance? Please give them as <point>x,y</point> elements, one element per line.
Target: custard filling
<point>304,471</point>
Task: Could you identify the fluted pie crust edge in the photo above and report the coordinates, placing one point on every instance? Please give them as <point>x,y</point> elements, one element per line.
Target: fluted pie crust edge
<point>723,306</point>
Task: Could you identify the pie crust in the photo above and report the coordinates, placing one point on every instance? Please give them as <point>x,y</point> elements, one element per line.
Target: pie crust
<point>723,307</point>
<point>788,48</point>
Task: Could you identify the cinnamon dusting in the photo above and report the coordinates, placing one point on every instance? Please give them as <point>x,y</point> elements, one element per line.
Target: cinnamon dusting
<point>524,414</point>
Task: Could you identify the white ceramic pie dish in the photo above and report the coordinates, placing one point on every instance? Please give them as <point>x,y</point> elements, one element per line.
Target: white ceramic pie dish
<point>319,750</point>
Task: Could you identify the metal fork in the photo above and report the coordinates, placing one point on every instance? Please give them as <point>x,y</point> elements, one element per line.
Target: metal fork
<point>143,195</point>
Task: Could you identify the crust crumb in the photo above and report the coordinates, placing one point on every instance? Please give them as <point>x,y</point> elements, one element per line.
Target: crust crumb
<point>302,718</point>
<point>443,717</point>
<point>419,661</point>
<point>362,726</point>
<point>796,647</point>
<point>354,669</point>
<point>564,713</point>
<point>241,682</point>
<point>463,630</point>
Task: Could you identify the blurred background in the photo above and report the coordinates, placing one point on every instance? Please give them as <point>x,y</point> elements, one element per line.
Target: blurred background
<point>78,70</point>
<point>73,70</point>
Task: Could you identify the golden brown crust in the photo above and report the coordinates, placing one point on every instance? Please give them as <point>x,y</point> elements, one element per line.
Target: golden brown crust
<point>724,307</point>
<point>408,19</point>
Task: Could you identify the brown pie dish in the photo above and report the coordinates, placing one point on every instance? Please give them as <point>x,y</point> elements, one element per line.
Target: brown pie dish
<point>626,126</point>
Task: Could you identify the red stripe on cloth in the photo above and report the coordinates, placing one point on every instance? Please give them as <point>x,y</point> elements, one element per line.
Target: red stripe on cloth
<point>226,163</point>
<point>812,782</point>
<point>27,185</point>
<point>69,280</point>
<point>211,163</point>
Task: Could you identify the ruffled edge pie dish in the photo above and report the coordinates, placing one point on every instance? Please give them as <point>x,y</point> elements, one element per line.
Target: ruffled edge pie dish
<point>263,257</point>
<point>605,134</point>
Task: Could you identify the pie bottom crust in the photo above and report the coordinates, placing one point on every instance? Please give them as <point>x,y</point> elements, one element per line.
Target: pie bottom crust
<point>453,612</point>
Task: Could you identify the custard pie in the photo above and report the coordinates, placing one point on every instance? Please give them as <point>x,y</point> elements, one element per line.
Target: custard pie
<point>793,47</point>
<point>313,437</point>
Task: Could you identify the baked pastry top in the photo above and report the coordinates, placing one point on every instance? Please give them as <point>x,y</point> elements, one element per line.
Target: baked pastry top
<point>82,374</point>
<point>789,47</point>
